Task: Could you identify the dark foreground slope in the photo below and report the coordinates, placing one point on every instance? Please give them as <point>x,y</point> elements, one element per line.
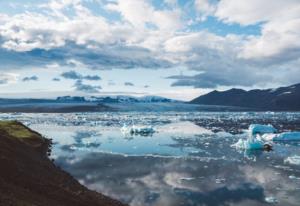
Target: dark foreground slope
<point>283,98</point>
<point>28,177</point>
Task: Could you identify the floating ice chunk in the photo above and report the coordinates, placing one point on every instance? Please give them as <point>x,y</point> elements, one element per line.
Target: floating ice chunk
<point>186,178</point>
<point>271,200</point>
<point>249,144</point>
<point>293,177</point>
<point>261,129</point>
<point>285,136</point>
<point>295,160</point>
<point>220,180</point>
<point>268,137</point>
<point>135,130</point>
<point>125,129</point>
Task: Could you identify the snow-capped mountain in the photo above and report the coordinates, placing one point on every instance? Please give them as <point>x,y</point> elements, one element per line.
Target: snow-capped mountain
<point>116,99</point>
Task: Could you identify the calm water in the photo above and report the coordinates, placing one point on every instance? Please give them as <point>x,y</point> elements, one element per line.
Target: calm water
<point>180,164</point>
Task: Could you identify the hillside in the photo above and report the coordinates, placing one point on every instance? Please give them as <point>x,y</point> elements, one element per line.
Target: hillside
<point>28,177</point>
<point>283,98</point>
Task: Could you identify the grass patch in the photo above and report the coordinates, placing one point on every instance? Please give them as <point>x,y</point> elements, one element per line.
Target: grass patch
<point>18,130</point>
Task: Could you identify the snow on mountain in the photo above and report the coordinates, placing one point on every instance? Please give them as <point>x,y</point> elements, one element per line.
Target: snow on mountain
<point>117,99</point>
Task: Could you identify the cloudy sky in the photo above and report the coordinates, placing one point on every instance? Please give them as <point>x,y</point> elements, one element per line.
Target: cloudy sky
<point>173,48</point>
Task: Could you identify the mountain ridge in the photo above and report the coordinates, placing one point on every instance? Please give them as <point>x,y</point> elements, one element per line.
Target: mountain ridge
<point>282,98</point>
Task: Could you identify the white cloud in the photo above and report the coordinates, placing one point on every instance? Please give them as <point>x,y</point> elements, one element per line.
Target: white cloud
<point>280,27</point>
<point>205,7</point>
<point>140,13</point>
<point>255,11</point>
<point>30,30</point>
<point>25,32</point>
<point>150,37</point>
<point>279,39</point>
<point>190,41</point>
<point>8,78</point>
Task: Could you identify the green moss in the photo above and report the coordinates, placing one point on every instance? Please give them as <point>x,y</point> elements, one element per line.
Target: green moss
<point>17,130</point>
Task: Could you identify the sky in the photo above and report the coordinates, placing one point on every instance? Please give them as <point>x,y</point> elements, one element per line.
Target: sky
<point>173,48</point>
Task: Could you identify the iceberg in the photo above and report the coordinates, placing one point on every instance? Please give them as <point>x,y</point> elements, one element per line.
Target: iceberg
<point>271,199</point>
<point>268,133</point>
<point>135,130</point>
<point>255,129</point>
<point>285,136</point>
<point>255,140</point>
<point>249,144</point>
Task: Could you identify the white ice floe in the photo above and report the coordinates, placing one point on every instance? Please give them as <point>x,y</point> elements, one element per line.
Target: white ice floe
<point>249,144</point>
<point>220,180</point>
<point>255,129</point>
<point>293,177</point>
<point>295,160</point>
<point>271,199</point>
<point>136,130</point>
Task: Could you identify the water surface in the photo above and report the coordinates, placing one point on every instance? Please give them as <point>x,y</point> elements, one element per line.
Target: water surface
<point>187,161</point>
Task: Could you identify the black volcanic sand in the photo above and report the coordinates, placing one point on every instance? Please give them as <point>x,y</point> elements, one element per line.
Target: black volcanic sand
<point>28,177</point>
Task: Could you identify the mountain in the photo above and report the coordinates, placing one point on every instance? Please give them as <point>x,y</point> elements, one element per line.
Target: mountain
<point>283,98</point>
<point>70,99</point>
<point>93,104</point>
<point>129,99</point>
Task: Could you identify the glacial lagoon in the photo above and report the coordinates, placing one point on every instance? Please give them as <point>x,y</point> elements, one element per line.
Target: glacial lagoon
<point>189,159</point>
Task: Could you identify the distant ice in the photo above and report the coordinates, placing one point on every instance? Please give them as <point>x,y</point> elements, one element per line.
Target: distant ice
<point>183,127</point>
<point>220,180</point>
<point>271,199</point>
<point>186,178</point>
<point>293,177</point>
<point>137,130</point>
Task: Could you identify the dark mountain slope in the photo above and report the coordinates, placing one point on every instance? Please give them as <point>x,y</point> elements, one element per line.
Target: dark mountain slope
<point>283,98</point>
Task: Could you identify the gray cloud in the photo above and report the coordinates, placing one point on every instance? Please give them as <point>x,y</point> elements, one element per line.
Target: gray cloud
<point>214,79</point>
<point>102,58</point>
<point>56,79</point>
<point>92,77</point>
<point>128,84</point>
<point>32,78</point>
<point>71,75</point>
<point>80,86</point>
<point>3,81</point>
<point>76,76</point>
